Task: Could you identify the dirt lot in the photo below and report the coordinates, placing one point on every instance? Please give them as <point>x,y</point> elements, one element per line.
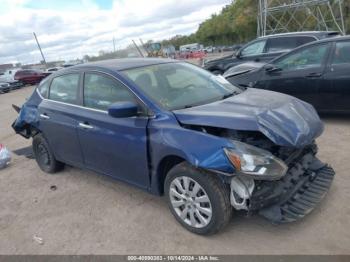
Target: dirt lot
<point>92,214</point>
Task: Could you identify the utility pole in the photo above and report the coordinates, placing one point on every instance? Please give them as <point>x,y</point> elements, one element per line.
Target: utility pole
<point>114,44</point>
<point>138,49</point>
<point>36,39</point>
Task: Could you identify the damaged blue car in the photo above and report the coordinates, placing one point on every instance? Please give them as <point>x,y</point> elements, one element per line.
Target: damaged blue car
<point>174,129</point>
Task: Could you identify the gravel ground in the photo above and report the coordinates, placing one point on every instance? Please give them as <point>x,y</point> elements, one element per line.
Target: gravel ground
<point>93,214</point>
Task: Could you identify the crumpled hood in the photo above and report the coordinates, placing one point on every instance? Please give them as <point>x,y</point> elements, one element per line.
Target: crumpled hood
<point>285,120</point>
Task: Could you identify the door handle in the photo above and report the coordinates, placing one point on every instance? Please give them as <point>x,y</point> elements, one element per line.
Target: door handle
<point>314,75</point>
<point>44,116</point>
<point>85,126</point>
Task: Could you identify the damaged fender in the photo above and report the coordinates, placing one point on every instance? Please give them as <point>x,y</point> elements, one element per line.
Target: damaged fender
<point>28,116</point>
<point>200,149</point>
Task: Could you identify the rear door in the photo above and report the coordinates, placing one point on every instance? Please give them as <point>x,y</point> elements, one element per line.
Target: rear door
<point>336,89</point>
<point>113,146</point>
<point>300,75</point>
<point>58,117</point>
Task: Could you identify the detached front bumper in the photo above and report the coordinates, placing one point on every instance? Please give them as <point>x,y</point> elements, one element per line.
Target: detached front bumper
<point>296,194</point>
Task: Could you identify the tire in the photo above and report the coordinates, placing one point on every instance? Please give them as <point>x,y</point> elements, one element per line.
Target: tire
<point>44,155</point>
<point>211,186</point>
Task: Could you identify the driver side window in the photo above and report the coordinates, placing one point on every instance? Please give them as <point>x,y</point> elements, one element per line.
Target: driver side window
<point>311,57</point>
<point>256,48</point>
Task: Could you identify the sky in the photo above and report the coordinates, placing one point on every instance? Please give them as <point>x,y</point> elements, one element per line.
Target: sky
<point>69,29</point>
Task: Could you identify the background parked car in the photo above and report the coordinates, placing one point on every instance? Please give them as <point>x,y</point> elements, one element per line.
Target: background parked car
<point>317,73</point>
<point>30,76</point>
<point>4,87</point>
<point>8,85</point>
<point>208,49</point>
<point>53,69</point>
<point>266,48</point>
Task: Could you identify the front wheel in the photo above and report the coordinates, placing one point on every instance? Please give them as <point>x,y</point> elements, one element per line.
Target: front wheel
<point>199,200</point>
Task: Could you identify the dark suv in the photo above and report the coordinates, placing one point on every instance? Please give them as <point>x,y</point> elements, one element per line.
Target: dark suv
<point>264,49</point>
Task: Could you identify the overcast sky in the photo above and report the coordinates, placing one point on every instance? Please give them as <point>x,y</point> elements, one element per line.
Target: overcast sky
<point>69,29</point>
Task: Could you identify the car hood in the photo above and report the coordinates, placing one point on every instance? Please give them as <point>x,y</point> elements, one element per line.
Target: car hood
<point>285,120</point>
<point>243,68</point>
<point>216,60</point>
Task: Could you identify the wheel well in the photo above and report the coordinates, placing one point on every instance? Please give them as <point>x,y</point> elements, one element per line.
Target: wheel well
<point>164,167</point>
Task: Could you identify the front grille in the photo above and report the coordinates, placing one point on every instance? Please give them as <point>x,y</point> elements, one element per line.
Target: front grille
<point>295,194</point>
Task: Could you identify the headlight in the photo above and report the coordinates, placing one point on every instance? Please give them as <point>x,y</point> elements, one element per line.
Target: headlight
<point>255,162</point>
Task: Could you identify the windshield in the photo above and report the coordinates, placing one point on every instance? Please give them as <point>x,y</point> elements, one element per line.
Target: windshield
<point>180,85</point>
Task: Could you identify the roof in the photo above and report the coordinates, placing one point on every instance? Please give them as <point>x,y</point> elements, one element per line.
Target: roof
<point>304,33</point>
<point>332,39</point>
<point>126,63</point>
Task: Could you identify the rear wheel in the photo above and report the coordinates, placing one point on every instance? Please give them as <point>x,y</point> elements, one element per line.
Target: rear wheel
<point>44,156</point>
<point>199,200</point>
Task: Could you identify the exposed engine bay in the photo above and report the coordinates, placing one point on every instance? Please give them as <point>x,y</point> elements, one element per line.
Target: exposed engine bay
<point>294,195</point>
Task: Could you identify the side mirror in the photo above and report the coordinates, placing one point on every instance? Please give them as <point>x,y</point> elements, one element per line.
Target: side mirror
<point>122,109</point>
<point>238,54</point>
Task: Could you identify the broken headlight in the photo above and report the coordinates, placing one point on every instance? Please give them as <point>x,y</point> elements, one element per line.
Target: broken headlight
<point>255,162</point>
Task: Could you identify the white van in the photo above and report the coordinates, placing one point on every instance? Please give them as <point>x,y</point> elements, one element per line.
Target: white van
<point>9,74</point>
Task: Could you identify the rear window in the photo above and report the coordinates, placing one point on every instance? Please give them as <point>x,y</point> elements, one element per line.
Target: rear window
<point>65,88</point>
<point>281,44</point>
<point>44,88</point>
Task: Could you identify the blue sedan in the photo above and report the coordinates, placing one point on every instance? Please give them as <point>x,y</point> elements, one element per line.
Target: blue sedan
<point>174,129</point>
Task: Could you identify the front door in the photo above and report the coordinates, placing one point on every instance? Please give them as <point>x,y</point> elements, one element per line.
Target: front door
<point>113,146</point>
<point>299,74</point>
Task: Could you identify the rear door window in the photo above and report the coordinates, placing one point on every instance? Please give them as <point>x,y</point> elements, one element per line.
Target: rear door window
<point>341,53</point>
<point>284,44</point>
<point>65,88</point>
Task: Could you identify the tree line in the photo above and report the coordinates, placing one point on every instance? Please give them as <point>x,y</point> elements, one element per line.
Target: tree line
<point>237,23</point>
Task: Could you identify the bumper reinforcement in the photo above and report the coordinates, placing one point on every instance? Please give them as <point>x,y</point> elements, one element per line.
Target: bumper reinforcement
<point>303,200</point>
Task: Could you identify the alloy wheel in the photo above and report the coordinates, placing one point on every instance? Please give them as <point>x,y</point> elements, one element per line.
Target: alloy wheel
<point>190,202</point>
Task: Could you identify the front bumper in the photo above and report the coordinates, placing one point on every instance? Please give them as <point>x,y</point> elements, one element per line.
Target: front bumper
<point>296,194</point>
<point>290,198</point>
